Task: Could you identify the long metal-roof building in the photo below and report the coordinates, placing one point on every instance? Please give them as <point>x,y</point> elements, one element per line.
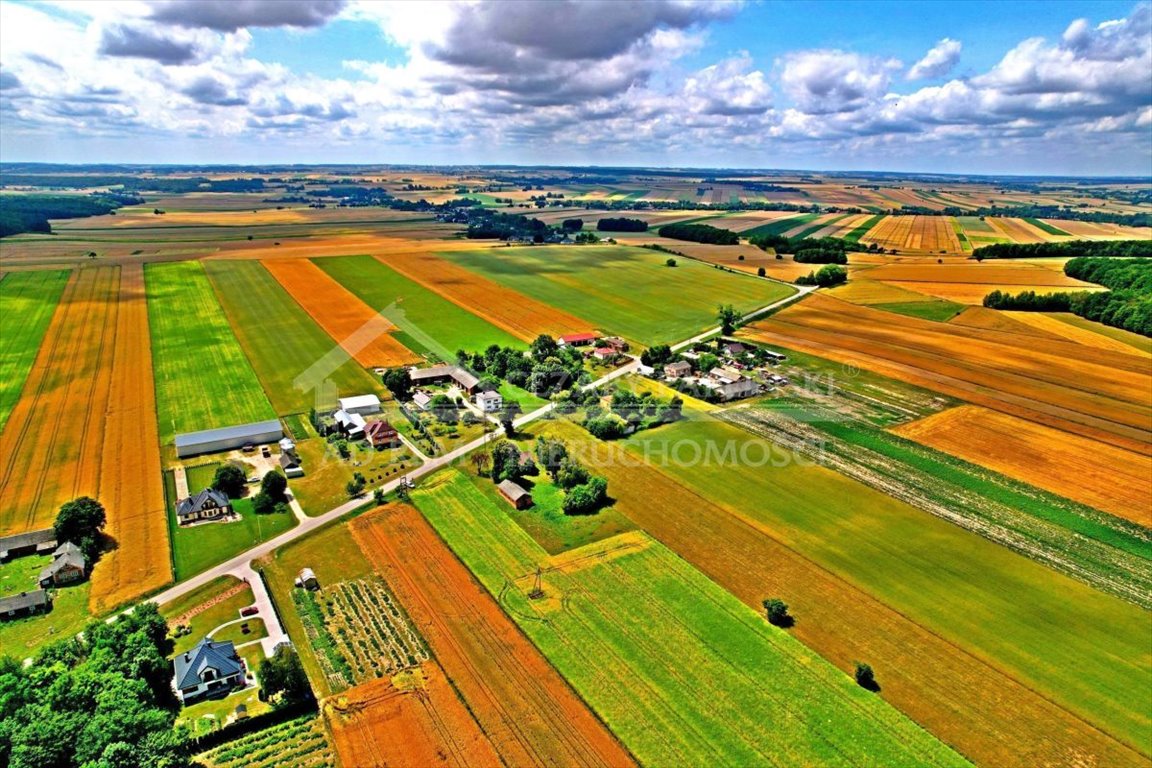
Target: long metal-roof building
<point>228,438</point>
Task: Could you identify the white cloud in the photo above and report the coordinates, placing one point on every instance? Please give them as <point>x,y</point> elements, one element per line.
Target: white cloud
<point>826,82</point>
<point>938,62</point>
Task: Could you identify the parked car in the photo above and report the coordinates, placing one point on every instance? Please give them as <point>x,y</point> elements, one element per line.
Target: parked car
<point>251,610</point>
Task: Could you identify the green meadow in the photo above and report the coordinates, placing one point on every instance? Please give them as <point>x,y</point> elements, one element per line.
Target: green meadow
<point>429,324</point>
<point>27,302</point>
<point>677,667</point>
<point>625,291</point>
<point>203,379</point>
<point>281,339</point>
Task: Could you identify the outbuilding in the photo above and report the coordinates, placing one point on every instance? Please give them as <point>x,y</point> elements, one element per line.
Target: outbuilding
<point>290,463</point>
<point>306,579</point>
<point>577,339</point>
<point>444,373</point>
<point>39,542</point>
<point>25,604</point>
<point>362,404</point>
<point>228,438</point>
<point>516,495</point>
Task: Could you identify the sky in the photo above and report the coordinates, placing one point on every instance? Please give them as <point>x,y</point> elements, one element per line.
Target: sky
<point>1059,87</point>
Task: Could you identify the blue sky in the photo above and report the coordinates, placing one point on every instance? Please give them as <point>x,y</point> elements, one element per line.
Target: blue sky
<point>980,87</point>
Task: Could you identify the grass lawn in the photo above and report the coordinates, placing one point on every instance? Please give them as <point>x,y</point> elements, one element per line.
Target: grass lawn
<point>235,632</point>
<point>429,324</point>
<point>199,547</point>
<point>281,339</point>
<point>1079,647</point>
<point>204,622</point>
<point>27,302</point>
<point>23,637</point>
<point>939,311</point>
<point>206,716</point>
<point>625,291</point>
<point>334,556</point>
<point>203,379</point>
<point>676,666</point>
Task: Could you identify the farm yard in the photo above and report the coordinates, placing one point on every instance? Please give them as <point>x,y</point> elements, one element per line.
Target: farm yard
<point>203,378</point>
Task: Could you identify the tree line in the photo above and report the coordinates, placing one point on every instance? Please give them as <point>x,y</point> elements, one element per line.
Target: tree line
<point>31,213</point>
<point>1093,248</point>
<point>622,225</point>
<point>699,233</point>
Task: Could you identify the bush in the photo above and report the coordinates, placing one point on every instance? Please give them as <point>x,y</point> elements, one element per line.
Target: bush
<point>761,272</point>
<point>865,677</point>
<point>776,610</point>
<point>826,277</point>
<point>229,480</point>
<point>263,504</point>
<point>670,262</point>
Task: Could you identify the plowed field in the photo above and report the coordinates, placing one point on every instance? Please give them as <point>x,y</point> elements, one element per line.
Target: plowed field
<point>527,710</point>
<point>130,486</point>
<point>422,724</point>
<point>50,448</point>
<point>341,313</point>
<point>521,316</point>
<point>1102,476</point>
<point>1092,392</point>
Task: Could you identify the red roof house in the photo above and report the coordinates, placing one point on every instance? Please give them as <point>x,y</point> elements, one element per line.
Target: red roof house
<point>381,434</point>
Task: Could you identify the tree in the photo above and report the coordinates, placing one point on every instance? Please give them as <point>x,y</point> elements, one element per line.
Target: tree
<point>263,504</point>
<point>670,262</point>
<point>283,675</point>
<point>230,480</point>
<point>508,415</point>
<point>865,677</point>
<point>399,382</point>
<point>729,318</point>
<point>378,496</point>
<point>551,454</point>
<point>356,485</point>
<point>274,485</point>
<point>342,448</point>
<point>761,272</point>
<point>488,383</point>
<point>544,346</point>
<point>587,498</point>
<point>80,521</point>
<point>776,611</point>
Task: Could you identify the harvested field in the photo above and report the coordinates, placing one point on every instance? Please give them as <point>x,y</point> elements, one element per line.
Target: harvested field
<point>50,448</point>
<point>987,272</point>
<point>419,723</point>
<point>967,680</point>
<point>1092,392</point>
<point>1110,479</point>
<point>203,379</point>
<point>999,321</point>
<point>1052,324</point>
<point>27,302</point>
<point>891,233</point>
<point>527,710</point>
<point>130,486</point>
<point>340,313</point>
<point>693,692</point>
<point>519,315</point>
<point>1141,344</point>
<point>974,293</point>
<point>1018,231</point>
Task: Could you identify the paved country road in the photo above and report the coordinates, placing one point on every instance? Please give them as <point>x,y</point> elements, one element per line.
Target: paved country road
<point>309,524</point>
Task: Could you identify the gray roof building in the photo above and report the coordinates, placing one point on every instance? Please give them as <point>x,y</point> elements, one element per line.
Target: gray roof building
<point>194,505</point>
<point>208,654</point>
<point>25,602</point>
<point>26,543</point>
<point>67,557</point>
<point>228,438</point>
<point>440,372</point>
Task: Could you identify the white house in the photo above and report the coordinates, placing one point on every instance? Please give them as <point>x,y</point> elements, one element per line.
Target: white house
<point>422,399</point>
<point>362,404</point>
<point>489,402</point>
<point>351,424</point>
<point>206,669</point>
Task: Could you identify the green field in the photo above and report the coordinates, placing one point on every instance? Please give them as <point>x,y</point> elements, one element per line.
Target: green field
<point>780,226</point>
<point>27,302</point>
<point>203,379</point>
<point>199,547</point>
<point>625,291</point>
<point>22,638</point>
<point>428,323</point>
<point>938,310</point>
<point>1086,650</point>
<point>678,668</point>
<point>1046,227</point>
<point>862,229</point>
<point>281,339</point>
<point>819,225</point>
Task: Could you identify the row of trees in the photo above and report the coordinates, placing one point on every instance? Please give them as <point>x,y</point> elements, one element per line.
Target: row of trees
<point>1075,248</point>
<point>828,276</point>
<point>699,233</point>
<point>622,225</point>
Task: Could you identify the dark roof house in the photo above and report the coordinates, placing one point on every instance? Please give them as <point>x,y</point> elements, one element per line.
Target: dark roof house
<point>68,565</point>
<point>206,505</point>
<point>208,667</point>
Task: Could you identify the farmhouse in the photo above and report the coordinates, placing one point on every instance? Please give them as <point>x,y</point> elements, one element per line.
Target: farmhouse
<point>228,438</point>
<point>422,400</point>
<point>381,434</point>
<point>31,543</point>
<point>489,402</point>
<point>733,348</point>
<point>25,604</point>
<point>362,404</point>
<point>616,343</point>
<point>444,373</point>
<point>351,425</point>
<point>209,504</point>
<point>290,463</point>
<point>604,353</point>
<point>68,566</point>
<point>677,370</point>
<point>208,668</point>
<point>516,495</point>
<point>576,339</point>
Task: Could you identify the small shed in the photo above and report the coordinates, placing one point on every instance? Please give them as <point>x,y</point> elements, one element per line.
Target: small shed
<point>290,463</point>
<point>306,579</point>
<point>516,495</point>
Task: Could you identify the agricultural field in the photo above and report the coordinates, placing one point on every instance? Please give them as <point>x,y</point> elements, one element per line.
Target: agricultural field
<point>429,324</point>
<point>27,301</point>
<point>1105,477</point>
<point>525,708</point>
<point>203,378</point>
<point>345,317</point>
<point>51,445</point>
<point>371,630</point>
<point>283,342</point>
<point>301,743</point>
<point>629,291</point>
<point>697,674</point>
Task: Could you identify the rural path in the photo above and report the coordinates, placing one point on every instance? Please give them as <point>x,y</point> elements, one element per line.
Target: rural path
<point>242,563</point>
<point>263,603</point>
<point>181,478</point>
